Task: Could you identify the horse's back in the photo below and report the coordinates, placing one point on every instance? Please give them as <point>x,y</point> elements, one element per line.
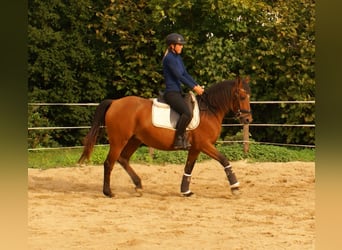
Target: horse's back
<point>128,109</point>
<point>130,102</point>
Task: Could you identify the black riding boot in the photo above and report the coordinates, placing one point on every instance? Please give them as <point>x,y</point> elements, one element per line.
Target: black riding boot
<point>181,141</point>
<point>186,142</point>
<point>178,142</point>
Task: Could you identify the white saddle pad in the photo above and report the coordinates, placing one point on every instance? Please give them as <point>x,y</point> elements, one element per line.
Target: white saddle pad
<point>164,117</point>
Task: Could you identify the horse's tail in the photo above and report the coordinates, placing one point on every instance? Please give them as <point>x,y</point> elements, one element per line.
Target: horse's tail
<point>98,121</point>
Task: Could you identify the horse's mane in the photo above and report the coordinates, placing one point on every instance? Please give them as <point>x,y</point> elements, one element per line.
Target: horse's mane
<point>218,97</point>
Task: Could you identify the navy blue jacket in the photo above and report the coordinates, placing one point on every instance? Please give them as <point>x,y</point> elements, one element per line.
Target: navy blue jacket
<point>175,73</point>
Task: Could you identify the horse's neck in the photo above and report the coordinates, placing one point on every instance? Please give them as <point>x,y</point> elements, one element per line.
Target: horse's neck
<point>220,116</point>
<point>205,107</point>
<point>207,112</point>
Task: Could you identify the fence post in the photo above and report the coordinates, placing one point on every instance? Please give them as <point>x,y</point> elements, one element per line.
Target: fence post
<point>245,138</point>
<point>151,151</point>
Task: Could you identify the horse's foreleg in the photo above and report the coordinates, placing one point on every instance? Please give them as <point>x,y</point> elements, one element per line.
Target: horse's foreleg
<point>215,154</point>
<point>186,179</point>
<point>233,182</point>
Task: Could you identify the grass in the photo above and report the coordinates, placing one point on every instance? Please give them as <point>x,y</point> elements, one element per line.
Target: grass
<point>257,153</point>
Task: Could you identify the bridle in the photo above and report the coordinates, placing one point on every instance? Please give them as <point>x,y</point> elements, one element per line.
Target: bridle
<point>238,112</point>
<point>241,112</point>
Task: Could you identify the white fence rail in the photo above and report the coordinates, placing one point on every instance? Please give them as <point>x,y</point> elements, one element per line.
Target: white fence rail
<point>245,141</point>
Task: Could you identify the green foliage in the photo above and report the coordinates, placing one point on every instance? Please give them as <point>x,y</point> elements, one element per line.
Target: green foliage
<point>128,33</point>
<point>262,153</point>
<point>257,153</point>
<point>53,159</point>
<point>63,64</point>
<point>85,51</point>
<point>275,45</point>
<point>39,138</point>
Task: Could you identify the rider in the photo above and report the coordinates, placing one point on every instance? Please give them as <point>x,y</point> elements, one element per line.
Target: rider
<point>175,74</point>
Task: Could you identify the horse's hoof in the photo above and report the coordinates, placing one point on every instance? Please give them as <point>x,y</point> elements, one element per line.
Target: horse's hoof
<point>138,192</point>
<point>187,193</point>
<point>235,191</point>
<point>108,194</point>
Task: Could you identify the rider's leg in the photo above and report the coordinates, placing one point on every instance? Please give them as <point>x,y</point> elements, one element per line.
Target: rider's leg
<point>177,103</point>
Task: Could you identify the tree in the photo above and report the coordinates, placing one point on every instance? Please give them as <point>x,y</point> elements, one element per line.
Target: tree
<point>130,44</point>
<point>83,51</point>
<point>64,61</point>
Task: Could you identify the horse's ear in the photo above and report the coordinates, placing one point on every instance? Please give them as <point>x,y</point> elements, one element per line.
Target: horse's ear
<point>238,82</point>
<point>247,79</point>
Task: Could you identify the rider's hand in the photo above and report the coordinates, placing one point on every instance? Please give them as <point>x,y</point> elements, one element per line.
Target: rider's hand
<point>198,89</point>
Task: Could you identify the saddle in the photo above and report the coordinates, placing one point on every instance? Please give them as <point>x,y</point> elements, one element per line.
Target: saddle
<point>165,117</point>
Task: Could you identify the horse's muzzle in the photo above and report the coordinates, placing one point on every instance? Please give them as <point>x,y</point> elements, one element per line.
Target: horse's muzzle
<point>244,116</point>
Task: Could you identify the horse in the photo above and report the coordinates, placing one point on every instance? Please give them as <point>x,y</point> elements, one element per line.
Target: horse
<point>128,125</point>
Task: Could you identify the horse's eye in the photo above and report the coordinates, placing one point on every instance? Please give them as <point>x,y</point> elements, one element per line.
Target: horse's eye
<point>243,95</point>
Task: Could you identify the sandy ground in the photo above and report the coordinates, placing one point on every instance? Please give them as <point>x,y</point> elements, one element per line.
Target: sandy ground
<point>276,208</point>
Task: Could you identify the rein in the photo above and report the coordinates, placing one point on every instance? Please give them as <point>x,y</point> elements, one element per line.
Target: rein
<point>204,105</point>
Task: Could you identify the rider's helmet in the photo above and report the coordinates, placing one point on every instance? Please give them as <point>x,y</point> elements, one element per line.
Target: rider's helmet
<point>175,38</point>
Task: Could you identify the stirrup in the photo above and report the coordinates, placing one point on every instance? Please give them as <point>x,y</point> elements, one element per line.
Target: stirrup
<point>178,143</point>
<point>186,144</point>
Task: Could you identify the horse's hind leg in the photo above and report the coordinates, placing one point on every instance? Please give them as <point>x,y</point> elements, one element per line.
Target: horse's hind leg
<point>125,155</point>
<point>108,167</point>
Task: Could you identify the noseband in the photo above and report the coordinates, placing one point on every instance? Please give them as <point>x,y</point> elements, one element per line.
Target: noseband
<point>242,112</point>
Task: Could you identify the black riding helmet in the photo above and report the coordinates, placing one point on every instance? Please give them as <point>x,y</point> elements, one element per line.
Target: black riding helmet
<point>175,38</point>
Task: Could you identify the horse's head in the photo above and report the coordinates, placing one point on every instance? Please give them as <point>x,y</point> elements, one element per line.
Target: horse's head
<point>241,104</point>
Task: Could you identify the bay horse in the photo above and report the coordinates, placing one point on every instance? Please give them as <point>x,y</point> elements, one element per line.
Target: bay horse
<point>128,125</point>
